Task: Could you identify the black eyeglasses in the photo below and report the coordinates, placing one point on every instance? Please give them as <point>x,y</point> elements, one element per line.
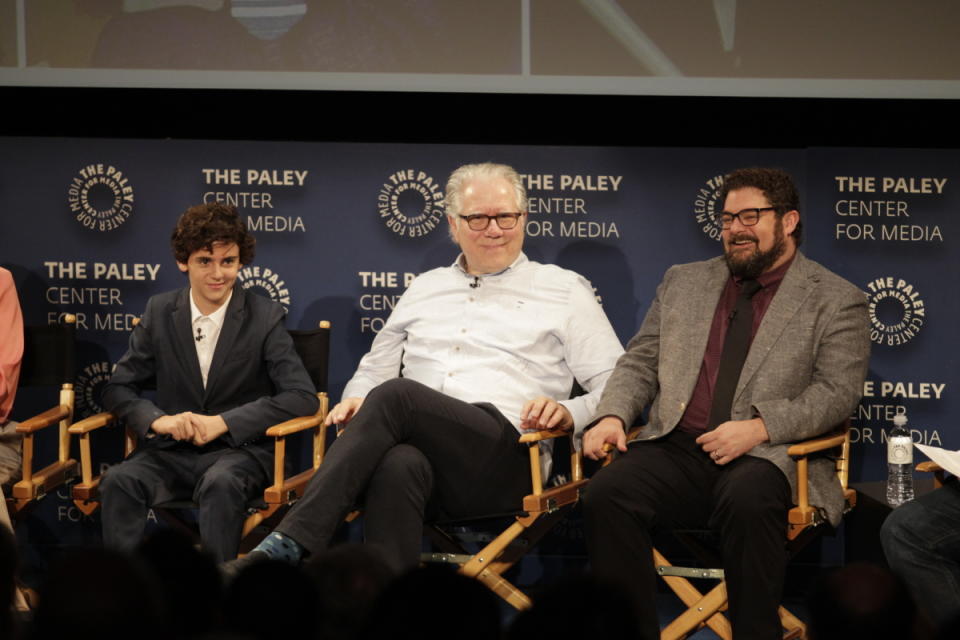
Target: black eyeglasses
<point>480,221</point>
<point>748,217</point>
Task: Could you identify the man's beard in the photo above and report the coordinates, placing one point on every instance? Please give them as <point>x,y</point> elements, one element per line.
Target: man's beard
<point>757,262</point>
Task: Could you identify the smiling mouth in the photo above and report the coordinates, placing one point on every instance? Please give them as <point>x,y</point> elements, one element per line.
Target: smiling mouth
<point>741,242</point>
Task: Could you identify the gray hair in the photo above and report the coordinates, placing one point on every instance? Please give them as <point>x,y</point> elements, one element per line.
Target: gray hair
<point>469,172</point>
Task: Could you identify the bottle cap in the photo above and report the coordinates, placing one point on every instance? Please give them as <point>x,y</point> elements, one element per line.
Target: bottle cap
<point>900,419</point>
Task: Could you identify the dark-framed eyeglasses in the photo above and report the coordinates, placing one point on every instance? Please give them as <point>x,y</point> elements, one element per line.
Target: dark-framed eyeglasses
<point>748,217</point>
<point>480,221</point>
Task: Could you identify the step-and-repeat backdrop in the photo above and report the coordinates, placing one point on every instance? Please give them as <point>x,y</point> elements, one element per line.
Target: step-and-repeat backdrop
<point>342,228</point>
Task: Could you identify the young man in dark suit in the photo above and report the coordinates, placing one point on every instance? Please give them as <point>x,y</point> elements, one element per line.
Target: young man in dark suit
<point>225,370</point>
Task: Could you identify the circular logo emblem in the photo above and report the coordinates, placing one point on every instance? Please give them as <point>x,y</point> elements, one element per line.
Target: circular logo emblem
<point>89,385</point>
<point>410,203</point>
<point>100,197</point>
<point>266,282</point>
<point>897,311</point>
<point>706,207</point>
<point>899,454</point>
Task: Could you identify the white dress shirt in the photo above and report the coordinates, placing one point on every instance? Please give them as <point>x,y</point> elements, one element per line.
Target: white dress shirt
<point>502,338</point>
<point>206,332</point>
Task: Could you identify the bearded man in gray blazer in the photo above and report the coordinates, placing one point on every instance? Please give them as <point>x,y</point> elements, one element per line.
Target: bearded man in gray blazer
<point>701,460</point>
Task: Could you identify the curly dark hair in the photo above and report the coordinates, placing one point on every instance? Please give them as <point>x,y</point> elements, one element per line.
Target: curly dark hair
<point>777,187</point>
<point>204,224</point>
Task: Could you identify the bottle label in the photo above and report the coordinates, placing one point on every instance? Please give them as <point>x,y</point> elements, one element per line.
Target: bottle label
<point>900,450</point>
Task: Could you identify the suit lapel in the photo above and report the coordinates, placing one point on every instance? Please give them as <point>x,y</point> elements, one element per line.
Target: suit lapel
<point>229,333</point>
<point>791,295</point>
<point>183,343</point>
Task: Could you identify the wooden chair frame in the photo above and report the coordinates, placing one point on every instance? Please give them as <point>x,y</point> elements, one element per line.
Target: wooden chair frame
<point>34,485</point>
<point>939,473</point>
<point>803,519</point>
<point>542,509</point>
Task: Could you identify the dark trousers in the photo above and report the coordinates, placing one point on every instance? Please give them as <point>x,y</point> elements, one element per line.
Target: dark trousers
<point>921,540</point>
<point>672,483</point>
<point>411,452</point>
<point>220,482</point>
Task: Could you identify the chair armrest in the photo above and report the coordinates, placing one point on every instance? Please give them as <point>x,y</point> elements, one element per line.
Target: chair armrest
<point>804,512</point>
<point>283,488</point>
<point>47,418</point>
<point>822,443</point>
<point>939,473</point>
<point>294,425</point>
<point>93,422</point>
<point>929,466</point>
<point>543,434</point>
<point>536,475</point>
<point>85,492</point>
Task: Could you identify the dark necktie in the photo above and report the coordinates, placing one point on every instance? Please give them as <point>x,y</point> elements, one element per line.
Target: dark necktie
<point>735,348</point>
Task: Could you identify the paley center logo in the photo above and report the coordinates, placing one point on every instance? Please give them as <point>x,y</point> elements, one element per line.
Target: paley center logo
<point>410,203</point>
<point>706,206</point>
<point>266,282</point>
<point>897,312</point>
<point>89,386</point>
<point>100,197</point>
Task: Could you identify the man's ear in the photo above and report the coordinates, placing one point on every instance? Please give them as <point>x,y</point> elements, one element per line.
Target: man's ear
<point>453,221</point>
<point>790,220</point>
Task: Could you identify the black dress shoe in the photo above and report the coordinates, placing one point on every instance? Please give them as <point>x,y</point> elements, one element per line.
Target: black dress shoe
<point>232,568</point>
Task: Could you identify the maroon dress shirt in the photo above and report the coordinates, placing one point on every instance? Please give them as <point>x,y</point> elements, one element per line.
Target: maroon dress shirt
<point>695,418</point>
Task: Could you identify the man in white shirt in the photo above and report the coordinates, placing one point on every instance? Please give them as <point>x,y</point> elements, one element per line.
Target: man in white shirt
<point>224,368</point>
<point>487,347</point>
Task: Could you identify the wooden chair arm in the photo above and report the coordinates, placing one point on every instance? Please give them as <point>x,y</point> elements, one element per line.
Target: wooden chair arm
<point>536,474</point>
<point>93,422</point>
<point>803,513</point>
<point>929,466</point>
<point>46,419</point>
<point>294,425</point>
<point>939,473</point>
<point>822,443</point>
<point>283,488</point>
<point>85,492</point>
<point>544,434</point>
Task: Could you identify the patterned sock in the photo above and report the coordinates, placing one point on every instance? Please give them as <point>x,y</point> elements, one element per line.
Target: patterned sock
<point>282,548</point>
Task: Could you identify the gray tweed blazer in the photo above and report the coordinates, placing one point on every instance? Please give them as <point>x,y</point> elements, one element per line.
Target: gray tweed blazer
<point>804,373</point>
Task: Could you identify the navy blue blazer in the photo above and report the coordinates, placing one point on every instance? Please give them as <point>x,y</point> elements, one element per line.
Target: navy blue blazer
<point>256,378</point>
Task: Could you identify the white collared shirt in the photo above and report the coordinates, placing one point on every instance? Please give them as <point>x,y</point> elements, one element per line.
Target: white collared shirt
<point>206,332</point>
<point>527,331</point>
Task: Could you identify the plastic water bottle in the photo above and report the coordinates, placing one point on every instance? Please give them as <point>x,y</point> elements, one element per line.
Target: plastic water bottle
<point>899,463</point>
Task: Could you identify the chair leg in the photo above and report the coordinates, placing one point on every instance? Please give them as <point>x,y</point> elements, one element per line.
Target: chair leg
<point>795,628</point>
<point>490,552</point>
<point>701,610</point>
<point>505,589</point>
<point>254,519</point>
<point>498,556</point>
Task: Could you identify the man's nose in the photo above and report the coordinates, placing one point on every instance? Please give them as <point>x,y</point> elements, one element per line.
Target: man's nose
<point>736,225</point>
<point>493,228</point>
